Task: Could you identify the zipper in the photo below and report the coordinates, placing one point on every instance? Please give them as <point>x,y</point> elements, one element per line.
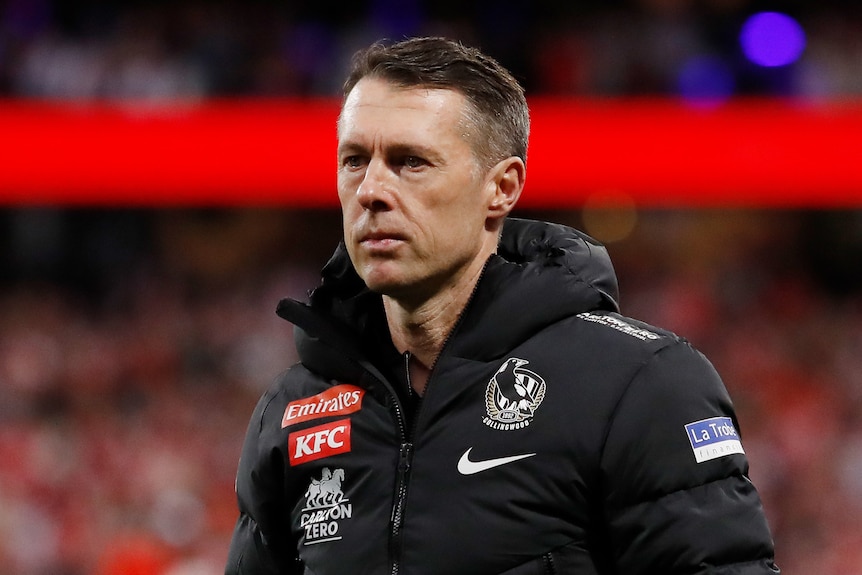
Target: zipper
<point>405,460</point>
<point>405,457</point>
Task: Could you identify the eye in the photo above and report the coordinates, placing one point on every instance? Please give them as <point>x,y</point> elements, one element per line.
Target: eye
<point>413,162</point>
<point>352,162</point>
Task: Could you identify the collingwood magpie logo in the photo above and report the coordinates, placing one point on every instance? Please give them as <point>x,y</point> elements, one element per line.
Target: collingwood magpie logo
<point>325,508</point>
<point>513,395</point>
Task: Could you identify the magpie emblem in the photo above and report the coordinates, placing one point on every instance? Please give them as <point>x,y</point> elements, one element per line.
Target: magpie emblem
<point>513,395</point>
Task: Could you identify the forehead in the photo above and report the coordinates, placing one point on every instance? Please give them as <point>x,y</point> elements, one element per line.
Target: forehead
<point>376,108</point>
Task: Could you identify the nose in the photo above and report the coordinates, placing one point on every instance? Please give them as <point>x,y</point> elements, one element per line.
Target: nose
<point>375,189</point>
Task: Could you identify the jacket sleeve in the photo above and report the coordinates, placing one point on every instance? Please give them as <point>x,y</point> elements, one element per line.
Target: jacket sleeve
<point>665,511</point>
<point>261,542</point>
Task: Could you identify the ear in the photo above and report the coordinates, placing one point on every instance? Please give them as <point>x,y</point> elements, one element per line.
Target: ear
<point>505,183</point>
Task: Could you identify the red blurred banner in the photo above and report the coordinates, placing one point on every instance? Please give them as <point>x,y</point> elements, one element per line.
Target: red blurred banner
<point>756,153</point>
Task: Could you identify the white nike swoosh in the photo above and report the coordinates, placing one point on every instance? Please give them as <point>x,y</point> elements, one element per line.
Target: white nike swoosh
<point>467,467</point>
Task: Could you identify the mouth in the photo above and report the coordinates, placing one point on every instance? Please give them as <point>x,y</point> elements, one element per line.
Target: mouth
<point>380,236</point>
<point>379,240</point>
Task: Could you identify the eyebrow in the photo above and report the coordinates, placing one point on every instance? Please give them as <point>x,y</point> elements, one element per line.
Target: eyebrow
<point>348,147</point>
<point>415,150</point>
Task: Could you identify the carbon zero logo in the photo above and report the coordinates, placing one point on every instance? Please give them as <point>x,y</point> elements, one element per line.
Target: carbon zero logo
<point>326,508</point>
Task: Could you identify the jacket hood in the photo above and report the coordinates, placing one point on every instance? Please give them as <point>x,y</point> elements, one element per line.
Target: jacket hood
<point>542,273</point>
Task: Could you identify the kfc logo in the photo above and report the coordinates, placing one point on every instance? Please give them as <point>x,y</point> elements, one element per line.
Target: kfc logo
<point>319,442</point>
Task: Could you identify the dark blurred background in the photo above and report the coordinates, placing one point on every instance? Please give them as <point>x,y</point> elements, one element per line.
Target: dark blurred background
<point>134,343</point>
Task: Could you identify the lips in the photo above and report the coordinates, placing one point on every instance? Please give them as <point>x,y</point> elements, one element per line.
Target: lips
<point>380,238</point>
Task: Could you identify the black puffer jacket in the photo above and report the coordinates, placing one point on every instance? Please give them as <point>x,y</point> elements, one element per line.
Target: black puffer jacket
<point>555,436</point>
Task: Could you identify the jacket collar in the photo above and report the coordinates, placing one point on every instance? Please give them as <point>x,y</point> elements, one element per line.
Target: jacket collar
<point>542,273</point>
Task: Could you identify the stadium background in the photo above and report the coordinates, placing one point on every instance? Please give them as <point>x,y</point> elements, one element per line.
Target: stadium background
<point>137,331</point>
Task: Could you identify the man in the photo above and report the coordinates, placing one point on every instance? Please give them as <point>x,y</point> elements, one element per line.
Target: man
<point>468,399</point>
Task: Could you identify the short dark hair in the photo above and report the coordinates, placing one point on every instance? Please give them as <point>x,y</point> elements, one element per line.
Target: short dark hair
<point>496,103</point>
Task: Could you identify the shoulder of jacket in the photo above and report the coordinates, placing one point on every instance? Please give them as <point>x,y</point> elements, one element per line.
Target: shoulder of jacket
<point>291,384</point>
<point>623,328</point>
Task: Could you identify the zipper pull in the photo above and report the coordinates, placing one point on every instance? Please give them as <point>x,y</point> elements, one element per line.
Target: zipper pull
<point>405,458</point>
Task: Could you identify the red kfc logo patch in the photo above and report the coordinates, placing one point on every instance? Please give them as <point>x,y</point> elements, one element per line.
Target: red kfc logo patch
<point>319,442</point>
<point>339,400</point>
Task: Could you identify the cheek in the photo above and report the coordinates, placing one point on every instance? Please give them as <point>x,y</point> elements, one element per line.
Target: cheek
<point>349,217</point>
<point>467,207</point>
<point>347,199</point>
<point>344,192</point>
<point>459,224</point>
<point>347,182</point>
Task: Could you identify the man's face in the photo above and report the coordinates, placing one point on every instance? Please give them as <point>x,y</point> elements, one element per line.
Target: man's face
<point>413,196</point>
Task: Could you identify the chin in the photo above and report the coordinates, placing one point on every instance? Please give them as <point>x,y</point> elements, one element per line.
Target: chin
<point>389,288</point>
<point>381,281</point>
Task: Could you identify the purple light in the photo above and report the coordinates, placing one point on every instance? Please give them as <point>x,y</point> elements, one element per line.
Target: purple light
<point>772,39</point>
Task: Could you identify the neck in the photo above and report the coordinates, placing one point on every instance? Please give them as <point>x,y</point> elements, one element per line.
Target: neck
<point>422,329</point>
<point>421,333</point>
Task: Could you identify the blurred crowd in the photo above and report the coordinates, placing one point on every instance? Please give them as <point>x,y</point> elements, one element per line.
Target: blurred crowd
<point>134,344</point>
<point>85,49</point>
<point>124,394</point>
